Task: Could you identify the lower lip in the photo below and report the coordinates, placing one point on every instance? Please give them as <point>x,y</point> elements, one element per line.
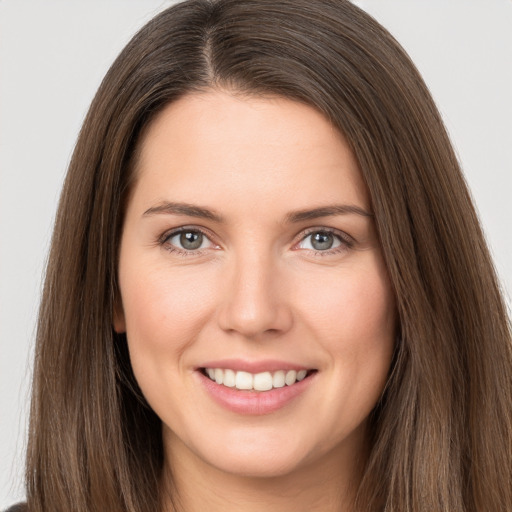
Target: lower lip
<point>254,402</point>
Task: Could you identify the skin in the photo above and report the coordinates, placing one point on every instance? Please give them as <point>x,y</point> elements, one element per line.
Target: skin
<point>256,289</point>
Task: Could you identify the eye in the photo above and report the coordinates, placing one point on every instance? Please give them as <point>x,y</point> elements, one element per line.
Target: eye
<point>324,240</point>
<point>186,240</point>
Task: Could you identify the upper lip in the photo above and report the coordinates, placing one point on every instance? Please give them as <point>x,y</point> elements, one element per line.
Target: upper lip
<point>264,365</point>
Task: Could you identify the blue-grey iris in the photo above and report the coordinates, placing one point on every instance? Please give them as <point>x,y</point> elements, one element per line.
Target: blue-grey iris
<point>191,240</point>
<point>322,241</point>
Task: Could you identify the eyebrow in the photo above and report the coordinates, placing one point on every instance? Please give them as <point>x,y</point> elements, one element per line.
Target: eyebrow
<point>190,210</point>
<point>326,211</point>
<point>184,209</point>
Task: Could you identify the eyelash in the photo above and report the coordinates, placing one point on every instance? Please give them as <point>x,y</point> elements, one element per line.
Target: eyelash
<point>346,242</point>
<point>164,240</point>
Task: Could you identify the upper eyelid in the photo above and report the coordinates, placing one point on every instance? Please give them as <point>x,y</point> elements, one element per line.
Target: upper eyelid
<point>176,231</point>
<point>319,229</point>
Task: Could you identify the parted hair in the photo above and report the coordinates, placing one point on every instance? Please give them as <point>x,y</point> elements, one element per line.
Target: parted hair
<point>441,435</point>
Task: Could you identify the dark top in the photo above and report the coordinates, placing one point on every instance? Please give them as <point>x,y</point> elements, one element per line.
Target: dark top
<point>20,507</point>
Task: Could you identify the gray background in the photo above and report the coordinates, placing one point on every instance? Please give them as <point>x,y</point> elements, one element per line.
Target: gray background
<point>53,55</point>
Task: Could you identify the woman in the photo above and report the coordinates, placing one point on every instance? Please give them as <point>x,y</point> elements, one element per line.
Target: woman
<point>267,283</point>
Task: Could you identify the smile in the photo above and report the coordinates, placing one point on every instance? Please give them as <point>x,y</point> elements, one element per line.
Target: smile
<point>263,381</point>
<point>255,387</point>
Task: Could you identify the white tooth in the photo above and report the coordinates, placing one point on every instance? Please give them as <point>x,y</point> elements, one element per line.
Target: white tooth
<point>211,373</point>
<point>219,375</point>
<point>291,377</point>
<point>278,379</point>
<point>243,380</point>
<point>229,378</point>
<point>301,374</point>
<point>263,381</point>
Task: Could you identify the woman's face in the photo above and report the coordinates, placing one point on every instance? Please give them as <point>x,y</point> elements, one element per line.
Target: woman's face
<point>249,258</point>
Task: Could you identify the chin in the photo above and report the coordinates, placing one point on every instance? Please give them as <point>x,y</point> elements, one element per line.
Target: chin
<point>262,466</point>
<point>246,452</point>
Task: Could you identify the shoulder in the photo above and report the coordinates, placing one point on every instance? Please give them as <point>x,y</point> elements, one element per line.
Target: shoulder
<point>20,507</point>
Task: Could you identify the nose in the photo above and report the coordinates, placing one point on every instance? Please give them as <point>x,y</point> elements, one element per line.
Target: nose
<point>255,303</point>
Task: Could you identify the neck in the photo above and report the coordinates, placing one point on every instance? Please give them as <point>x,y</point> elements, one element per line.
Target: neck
<point>326,485</point>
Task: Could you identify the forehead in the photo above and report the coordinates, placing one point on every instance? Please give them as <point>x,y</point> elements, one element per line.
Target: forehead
<point>229,145</point>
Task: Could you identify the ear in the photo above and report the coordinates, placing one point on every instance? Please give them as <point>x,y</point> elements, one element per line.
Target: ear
<point>118,322</point>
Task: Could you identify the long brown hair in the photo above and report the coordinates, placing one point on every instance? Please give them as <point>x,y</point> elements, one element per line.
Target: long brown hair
<point>442,433</point>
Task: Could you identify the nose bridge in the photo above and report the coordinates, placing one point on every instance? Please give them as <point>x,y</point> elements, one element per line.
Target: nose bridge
<point>253,302</point>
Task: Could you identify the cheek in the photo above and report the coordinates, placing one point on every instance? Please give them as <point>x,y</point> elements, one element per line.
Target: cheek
<point>164,312</point>
<point>370,311</point>
<point>353,318</point>
<point>352,308</point>
<point>163,309</point>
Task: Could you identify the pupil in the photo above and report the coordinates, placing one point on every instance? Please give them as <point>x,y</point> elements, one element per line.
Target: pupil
<point>322,241</point>
<point>191,240</point>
